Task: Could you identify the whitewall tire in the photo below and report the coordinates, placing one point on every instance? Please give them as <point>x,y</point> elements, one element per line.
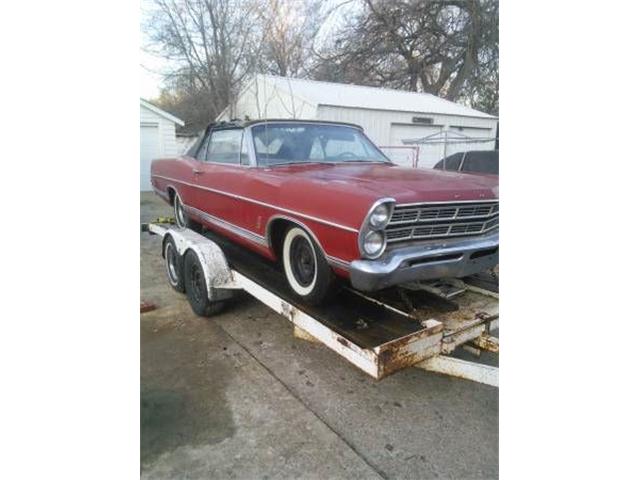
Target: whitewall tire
<point>182,219</point>
<point>298,244</point>
<point>305,267</point>
<point>179,211</point>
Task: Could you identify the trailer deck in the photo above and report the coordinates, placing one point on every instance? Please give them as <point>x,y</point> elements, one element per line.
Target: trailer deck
<point>381,333</point>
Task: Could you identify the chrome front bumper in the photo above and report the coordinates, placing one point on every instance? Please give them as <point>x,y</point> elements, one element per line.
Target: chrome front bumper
<point>451,258</point>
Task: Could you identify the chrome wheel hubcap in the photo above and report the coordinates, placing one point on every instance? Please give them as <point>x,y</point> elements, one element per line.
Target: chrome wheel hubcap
<point>180,216</point>
<point>303,261</point>
<point>172,270</point>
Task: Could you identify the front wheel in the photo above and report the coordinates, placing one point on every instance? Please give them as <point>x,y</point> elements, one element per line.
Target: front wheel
<point>308,273</point>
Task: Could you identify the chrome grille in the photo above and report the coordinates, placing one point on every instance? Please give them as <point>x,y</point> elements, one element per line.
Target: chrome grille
<point>426,212</point>
<point>418,222</point>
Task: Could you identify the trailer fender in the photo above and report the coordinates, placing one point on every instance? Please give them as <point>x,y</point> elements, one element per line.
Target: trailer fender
<point>218,275</point>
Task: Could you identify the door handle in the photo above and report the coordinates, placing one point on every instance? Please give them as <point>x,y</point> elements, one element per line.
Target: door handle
<point>197,172</point>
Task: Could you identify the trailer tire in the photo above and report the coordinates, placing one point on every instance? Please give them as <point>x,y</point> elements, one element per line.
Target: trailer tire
<point>307,271</point>
<point>173,264</point>
<point>196,287</point>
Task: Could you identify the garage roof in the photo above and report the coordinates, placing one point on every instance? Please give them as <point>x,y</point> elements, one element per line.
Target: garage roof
<point>161,112</point>
<point>357,96</point>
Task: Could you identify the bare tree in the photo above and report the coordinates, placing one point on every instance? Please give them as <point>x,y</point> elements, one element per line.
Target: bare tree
<point>212,43</point>
<point>289,29</point>
<point>442,47</point>
<point>445,47</point>
<point>482,87</point>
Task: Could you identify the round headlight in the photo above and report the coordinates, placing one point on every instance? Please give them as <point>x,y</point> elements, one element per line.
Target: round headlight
<point>373,243</point>
<point>380,215</point>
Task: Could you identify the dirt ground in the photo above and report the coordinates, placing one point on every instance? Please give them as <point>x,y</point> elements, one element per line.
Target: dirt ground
<point>237,396</point>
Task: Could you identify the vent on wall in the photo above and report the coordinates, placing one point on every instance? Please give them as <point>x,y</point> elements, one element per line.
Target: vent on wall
<point>426,120</point>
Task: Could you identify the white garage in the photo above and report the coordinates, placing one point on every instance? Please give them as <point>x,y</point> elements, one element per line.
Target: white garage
<point>157,138</point>
<point>406,121</point>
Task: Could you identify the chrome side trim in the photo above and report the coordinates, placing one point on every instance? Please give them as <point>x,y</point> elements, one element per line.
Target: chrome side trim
<point>267,229</point>
<point>220,164</point>
<point>242,232</point>
<point>338,262</point>
<point>264,204</point>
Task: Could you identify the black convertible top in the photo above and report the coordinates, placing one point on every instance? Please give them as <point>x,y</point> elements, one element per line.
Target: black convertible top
<point>236,123</point>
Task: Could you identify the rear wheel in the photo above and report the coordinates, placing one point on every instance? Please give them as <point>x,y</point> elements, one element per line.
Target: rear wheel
<point>196,287</point>
<point>307,271</point>
<point>173,265</point>
<point>182,219</point>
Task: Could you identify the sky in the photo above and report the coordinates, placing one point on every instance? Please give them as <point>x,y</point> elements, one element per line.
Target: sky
<point>150,80</point>
<point>151,65</point>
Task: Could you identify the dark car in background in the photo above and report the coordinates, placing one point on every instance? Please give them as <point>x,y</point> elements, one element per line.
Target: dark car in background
<point>475,161</point>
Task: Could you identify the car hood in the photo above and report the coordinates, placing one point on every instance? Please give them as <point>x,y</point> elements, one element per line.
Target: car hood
<point>406,185</point>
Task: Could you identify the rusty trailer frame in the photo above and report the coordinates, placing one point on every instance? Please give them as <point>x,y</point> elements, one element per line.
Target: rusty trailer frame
<point>423,343</point>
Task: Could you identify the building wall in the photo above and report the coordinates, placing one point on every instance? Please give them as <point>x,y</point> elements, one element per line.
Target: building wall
<point>157,140</point>
<point>166,131</point>
<point>389,128</point>
<point>262,99</point>
<point>377,123</point>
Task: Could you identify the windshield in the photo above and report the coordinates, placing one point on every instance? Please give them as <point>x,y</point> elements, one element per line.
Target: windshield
<point>286,143</point>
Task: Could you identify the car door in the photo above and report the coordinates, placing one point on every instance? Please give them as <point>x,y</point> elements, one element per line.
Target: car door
<point>182,172</point>
<point>220,177</point>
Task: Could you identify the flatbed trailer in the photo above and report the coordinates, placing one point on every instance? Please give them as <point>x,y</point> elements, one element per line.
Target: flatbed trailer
<point>415,325</point>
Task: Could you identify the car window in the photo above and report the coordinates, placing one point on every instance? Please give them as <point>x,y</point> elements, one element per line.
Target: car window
<point>195,146</point>
<point>452,162</point>
<point>202,151</point>
<point>224,146</point>
<point>344,148</point>
<point>316,153</point>
<point>481,162</point>
<point>285,143</point>
<point>335,148</point>
<point>244,150</point>
<point>273,147</point>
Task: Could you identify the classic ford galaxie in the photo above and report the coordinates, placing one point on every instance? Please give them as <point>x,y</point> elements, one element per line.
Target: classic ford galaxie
<point>321,198</point>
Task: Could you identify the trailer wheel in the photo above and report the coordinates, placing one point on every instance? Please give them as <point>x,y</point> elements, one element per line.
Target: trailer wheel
<point>173,265</point>
<point>307,271</point>
<point>196,287</point>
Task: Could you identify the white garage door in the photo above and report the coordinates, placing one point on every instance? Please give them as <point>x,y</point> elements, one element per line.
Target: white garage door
<point>429,154</point>
<point>149,149</point>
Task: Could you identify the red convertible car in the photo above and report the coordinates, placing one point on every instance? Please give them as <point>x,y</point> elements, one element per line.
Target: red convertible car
<point>321,198</point>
